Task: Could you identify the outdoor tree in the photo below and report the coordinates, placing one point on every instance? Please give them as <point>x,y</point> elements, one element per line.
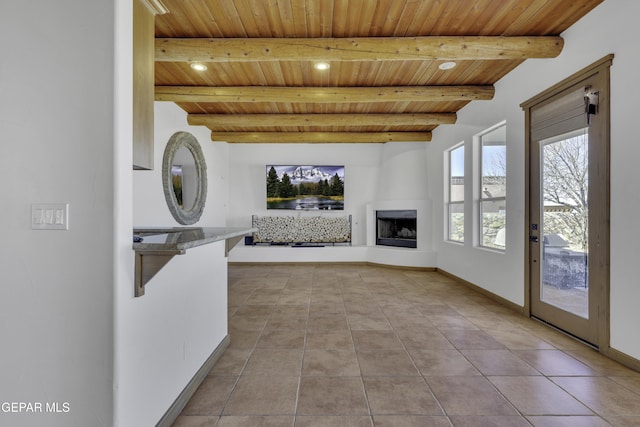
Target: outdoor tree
<point>565,187</point>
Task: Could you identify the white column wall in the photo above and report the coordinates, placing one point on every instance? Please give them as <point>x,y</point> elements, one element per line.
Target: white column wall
<point>56,286</point>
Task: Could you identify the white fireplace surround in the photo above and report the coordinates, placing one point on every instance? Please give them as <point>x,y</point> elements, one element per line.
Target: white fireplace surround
<point>422,256</point>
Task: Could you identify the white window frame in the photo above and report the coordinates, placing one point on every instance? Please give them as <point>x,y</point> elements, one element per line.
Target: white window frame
<point>481,192</point>
<point>448,202</point>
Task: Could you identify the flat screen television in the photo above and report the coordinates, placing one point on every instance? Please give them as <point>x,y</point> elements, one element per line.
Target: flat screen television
<point>302,187</point>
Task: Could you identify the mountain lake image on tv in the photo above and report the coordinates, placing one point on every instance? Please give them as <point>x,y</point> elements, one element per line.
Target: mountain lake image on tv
<point>305,187</point>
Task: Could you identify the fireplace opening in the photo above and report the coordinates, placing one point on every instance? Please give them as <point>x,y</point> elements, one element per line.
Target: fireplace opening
<point>396,228</point>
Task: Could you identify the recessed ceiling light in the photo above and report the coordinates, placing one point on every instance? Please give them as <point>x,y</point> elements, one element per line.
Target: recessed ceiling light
<point>321,65</point>
<point>447,65</point>
<point>198,66</point>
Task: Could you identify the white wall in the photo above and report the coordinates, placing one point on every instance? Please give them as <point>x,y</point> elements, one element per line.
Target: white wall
<point>56,291</point>
<point>374,173</point>
<point>607,29</point>
<point>247,163</point>
<point>164,336</point>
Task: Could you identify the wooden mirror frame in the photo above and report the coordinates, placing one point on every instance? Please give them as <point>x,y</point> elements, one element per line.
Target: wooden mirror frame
<point>177,141</point>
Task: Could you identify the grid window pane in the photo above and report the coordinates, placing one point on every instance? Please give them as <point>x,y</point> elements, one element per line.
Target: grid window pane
<point>494,163</point>
<point>493,186</point>
<point>455,195</point>
<point>456,222</point>
<point>456,174</point>
<point>493,223</point>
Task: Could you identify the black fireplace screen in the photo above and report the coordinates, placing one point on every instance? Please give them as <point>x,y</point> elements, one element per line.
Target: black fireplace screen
<point>396,228</point>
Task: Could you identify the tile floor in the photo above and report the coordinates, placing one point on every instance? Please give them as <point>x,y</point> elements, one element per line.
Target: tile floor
<point>355,345</point>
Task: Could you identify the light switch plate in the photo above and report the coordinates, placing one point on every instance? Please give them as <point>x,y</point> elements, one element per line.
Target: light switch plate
<point>51,216</point>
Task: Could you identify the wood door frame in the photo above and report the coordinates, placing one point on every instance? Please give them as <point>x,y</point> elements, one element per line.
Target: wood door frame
<point>602,69</point>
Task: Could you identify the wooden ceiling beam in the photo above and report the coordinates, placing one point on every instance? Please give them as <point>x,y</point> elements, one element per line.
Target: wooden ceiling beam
<point>270,120</point>
<point>324,95</point>
<point>454,48</point>
<point>320,137</point>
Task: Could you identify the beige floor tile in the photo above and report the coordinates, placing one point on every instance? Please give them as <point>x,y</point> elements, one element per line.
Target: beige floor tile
<point>339,340</point>
<point>410,421</point>
<point>601,364</point>
<point>326,309</point>
<point>327,322</point>
<point>469,396</point>
<point>232,362</point>
<point>632,383</point>
<point>255,310</point>
<point>332,396</point>
<point>330,363</point>
<point>517,339</point>
<point>464,339</point>
<point>263,395</point>
<point>602,395</point>
<point>274,362</point>
<point>498,362</point>
<point>291,310</point>
<point>445,321</point>
<point>555,363</point>
<point>195,421</point>
<point>538,396</point>
<point>255,421</point>
<point>568,421</point>
<point>445,362</point>
<point>489,421</point>
<point>368,322</point>
<point>386,362</point>
<point>400,395</point>
<point>375,339</point>
<point>211,396</point>
<point>326,299</point>
<point>409,323</point>
<point>333,421</point>
<point>281,339</point>
<point>242,339</point>
<point>307,340</point>
<point>442,309</point>
<point>294,298</point>
<point>287,321</point>
<point>248,322</point>
<point>264,297</point>
<point>427,338</point>
<point>624,421</point>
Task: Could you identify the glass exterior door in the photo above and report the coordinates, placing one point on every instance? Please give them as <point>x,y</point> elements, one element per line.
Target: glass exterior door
<point>564,224</point>
<point>561,291</point>
<point>568,212</point>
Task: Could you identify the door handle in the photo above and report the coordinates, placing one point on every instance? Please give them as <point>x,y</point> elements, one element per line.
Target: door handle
<point>534,239</point>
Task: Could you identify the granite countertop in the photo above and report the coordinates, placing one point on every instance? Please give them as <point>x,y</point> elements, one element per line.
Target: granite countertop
<point>179,239</point>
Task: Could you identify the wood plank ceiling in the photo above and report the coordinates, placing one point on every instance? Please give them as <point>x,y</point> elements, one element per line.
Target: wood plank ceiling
<point>384,82</point>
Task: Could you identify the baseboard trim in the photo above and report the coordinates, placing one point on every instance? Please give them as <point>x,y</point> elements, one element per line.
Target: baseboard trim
<point>622,358</point>
<point>497,298</point>
<point>401,267</point>
<point>324,263</point>
<point>181,401</point>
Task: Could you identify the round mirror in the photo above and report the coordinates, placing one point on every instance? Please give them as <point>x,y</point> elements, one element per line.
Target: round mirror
<point>184,178</point>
